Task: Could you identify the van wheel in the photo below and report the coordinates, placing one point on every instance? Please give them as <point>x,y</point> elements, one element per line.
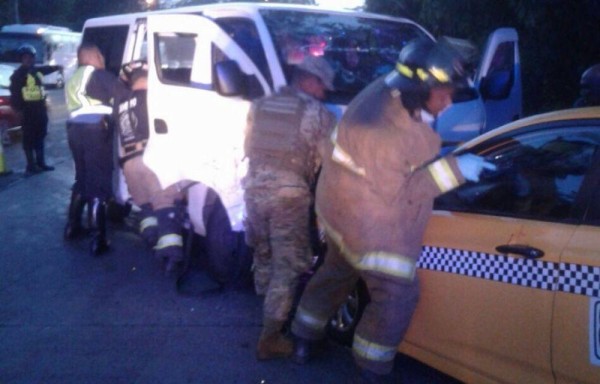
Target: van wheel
<point>342,325</point>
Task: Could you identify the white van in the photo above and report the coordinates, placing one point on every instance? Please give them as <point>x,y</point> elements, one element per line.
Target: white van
<point>207,63</point>
<point>54,46</point>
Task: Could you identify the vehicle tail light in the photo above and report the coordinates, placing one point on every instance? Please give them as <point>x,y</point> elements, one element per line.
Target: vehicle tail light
<point>4,100</point>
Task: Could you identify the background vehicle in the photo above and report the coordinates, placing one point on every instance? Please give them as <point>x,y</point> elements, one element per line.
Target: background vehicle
<point>510,270</point>
<point>8,118</point>
<point>207,63</point>
<point>54,46</point>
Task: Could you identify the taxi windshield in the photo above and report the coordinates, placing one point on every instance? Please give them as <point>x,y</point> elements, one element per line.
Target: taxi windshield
<point>359,49</point>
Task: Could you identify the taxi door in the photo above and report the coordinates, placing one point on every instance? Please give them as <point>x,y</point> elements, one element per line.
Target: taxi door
<point>576,318</point>
<point>197,132</point>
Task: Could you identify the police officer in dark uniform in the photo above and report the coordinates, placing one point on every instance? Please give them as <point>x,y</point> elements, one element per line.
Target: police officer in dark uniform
<point>90,133</point>
<point>29,99</point>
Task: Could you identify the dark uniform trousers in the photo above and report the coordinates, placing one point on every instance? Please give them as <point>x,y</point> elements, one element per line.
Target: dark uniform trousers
<point>91,144</point>
<point>35,125</point>
<point>384,322</point>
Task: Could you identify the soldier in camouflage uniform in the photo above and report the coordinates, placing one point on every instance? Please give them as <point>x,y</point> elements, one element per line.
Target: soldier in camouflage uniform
<point>283,133</point>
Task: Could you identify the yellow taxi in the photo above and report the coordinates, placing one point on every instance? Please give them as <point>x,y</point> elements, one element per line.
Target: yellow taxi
<point>510,270</point>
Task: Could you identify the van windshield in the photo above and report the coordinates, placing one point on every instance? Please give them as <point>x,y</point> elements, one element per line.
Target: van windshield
<point>359,49</point>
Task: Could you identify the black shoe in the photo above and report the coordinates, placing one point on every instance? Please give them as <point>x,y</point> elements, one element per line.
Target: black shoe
<point>99,245</point>
<point>73,231</point>
<point>45,167</point>
<point>32,170</point>
<point>305,349</point>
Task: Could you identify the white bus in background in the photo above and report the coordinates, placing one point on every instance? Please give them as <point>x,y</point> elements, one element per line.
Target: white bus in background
<point>54,46</point>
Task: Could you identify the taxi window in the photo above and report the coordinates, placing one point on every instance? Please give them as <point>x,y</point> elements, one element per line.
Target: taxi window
<point>539,176</point>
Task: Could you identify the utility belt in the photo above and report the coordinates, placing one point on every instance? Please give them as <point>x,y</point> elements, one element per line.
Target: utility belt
<point>91,121</point>
<point>129,151</point>
<point>135,147</point>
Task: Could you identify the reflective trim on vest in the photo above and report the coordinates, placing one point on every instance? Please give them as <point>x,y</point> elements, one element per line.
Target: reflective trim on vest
<point>32,91</point>
<point>309,320</point>
<point>91,110</point>
<point>373,351</point>
<point>147,223</point>
<point>342,157</point>
<point>170,240</point>
<point>75,91</point>
<point>391,264</point>
<point>442,175</point>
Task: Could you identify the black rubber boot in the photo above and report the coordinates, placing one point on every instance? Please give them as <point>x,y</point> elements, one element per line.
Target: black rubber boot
<point>169,247</point>
<point>40,160</point>
<point>97,219</point>
<point>74,229</point>
<point>305,349</point>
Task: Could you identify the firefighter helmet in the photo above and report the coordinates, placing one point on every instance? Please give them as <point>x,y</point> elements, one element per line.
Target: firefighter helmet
<point>423,64</point>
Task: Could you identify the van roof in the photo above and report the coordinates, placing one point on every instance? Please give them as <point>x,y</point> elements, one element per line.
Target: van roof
<point>248,8</point>
<point>34,28</point>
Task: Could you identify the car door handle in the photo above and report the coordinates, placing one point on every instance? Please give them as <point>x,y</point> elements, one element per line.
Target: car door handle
<point>160,126</point>
<point>523,250</point>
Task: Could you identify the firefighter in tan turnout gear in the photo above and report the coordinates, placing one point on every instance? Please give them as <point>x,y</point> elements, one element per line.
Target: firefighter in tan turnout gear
<point>375,193</point>
<point>284,131</point>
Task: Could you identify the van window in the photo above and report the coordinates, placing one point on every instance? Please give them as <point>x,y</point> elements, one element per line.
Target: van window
<point>253,88</point>
<point>111,42</point>
<point>175,54</point>
<point>359,49</point>
<point>244,33</point>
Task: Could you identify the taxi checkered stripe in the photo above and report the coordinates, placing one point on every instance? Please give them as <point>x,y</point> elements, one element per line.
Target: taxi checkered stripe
<point>570,278</point>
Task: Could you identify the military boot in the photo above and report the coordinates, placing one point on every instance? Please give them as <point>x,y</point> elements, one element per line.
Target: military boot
<point>74,228</point>
<point>272,344</point>
<point>97,220</point>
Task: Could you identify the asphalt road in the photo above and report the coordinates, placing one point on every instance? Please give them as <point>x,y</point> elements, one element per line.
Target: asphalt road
<point>68,317</point>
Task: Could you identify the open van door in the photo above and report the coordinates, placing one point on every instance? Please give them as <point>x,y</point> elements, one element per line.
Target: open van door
<point>498,78</point>
<point>200,86</point>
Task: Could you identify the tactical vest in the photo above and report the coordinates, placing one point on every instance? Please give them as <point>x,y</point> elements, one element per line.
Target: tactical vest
<point>276,138</point>
<point>33,89</point>
<point>133,126</point>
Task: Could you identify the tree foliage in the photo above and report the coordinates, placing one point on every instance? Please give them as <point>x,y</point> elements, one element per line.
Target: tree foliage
<point>558,39</point>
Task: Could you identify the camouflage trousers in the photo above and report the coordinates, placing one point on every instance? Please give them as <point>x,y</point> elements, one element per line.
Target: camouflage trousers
<point>277,227</point>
